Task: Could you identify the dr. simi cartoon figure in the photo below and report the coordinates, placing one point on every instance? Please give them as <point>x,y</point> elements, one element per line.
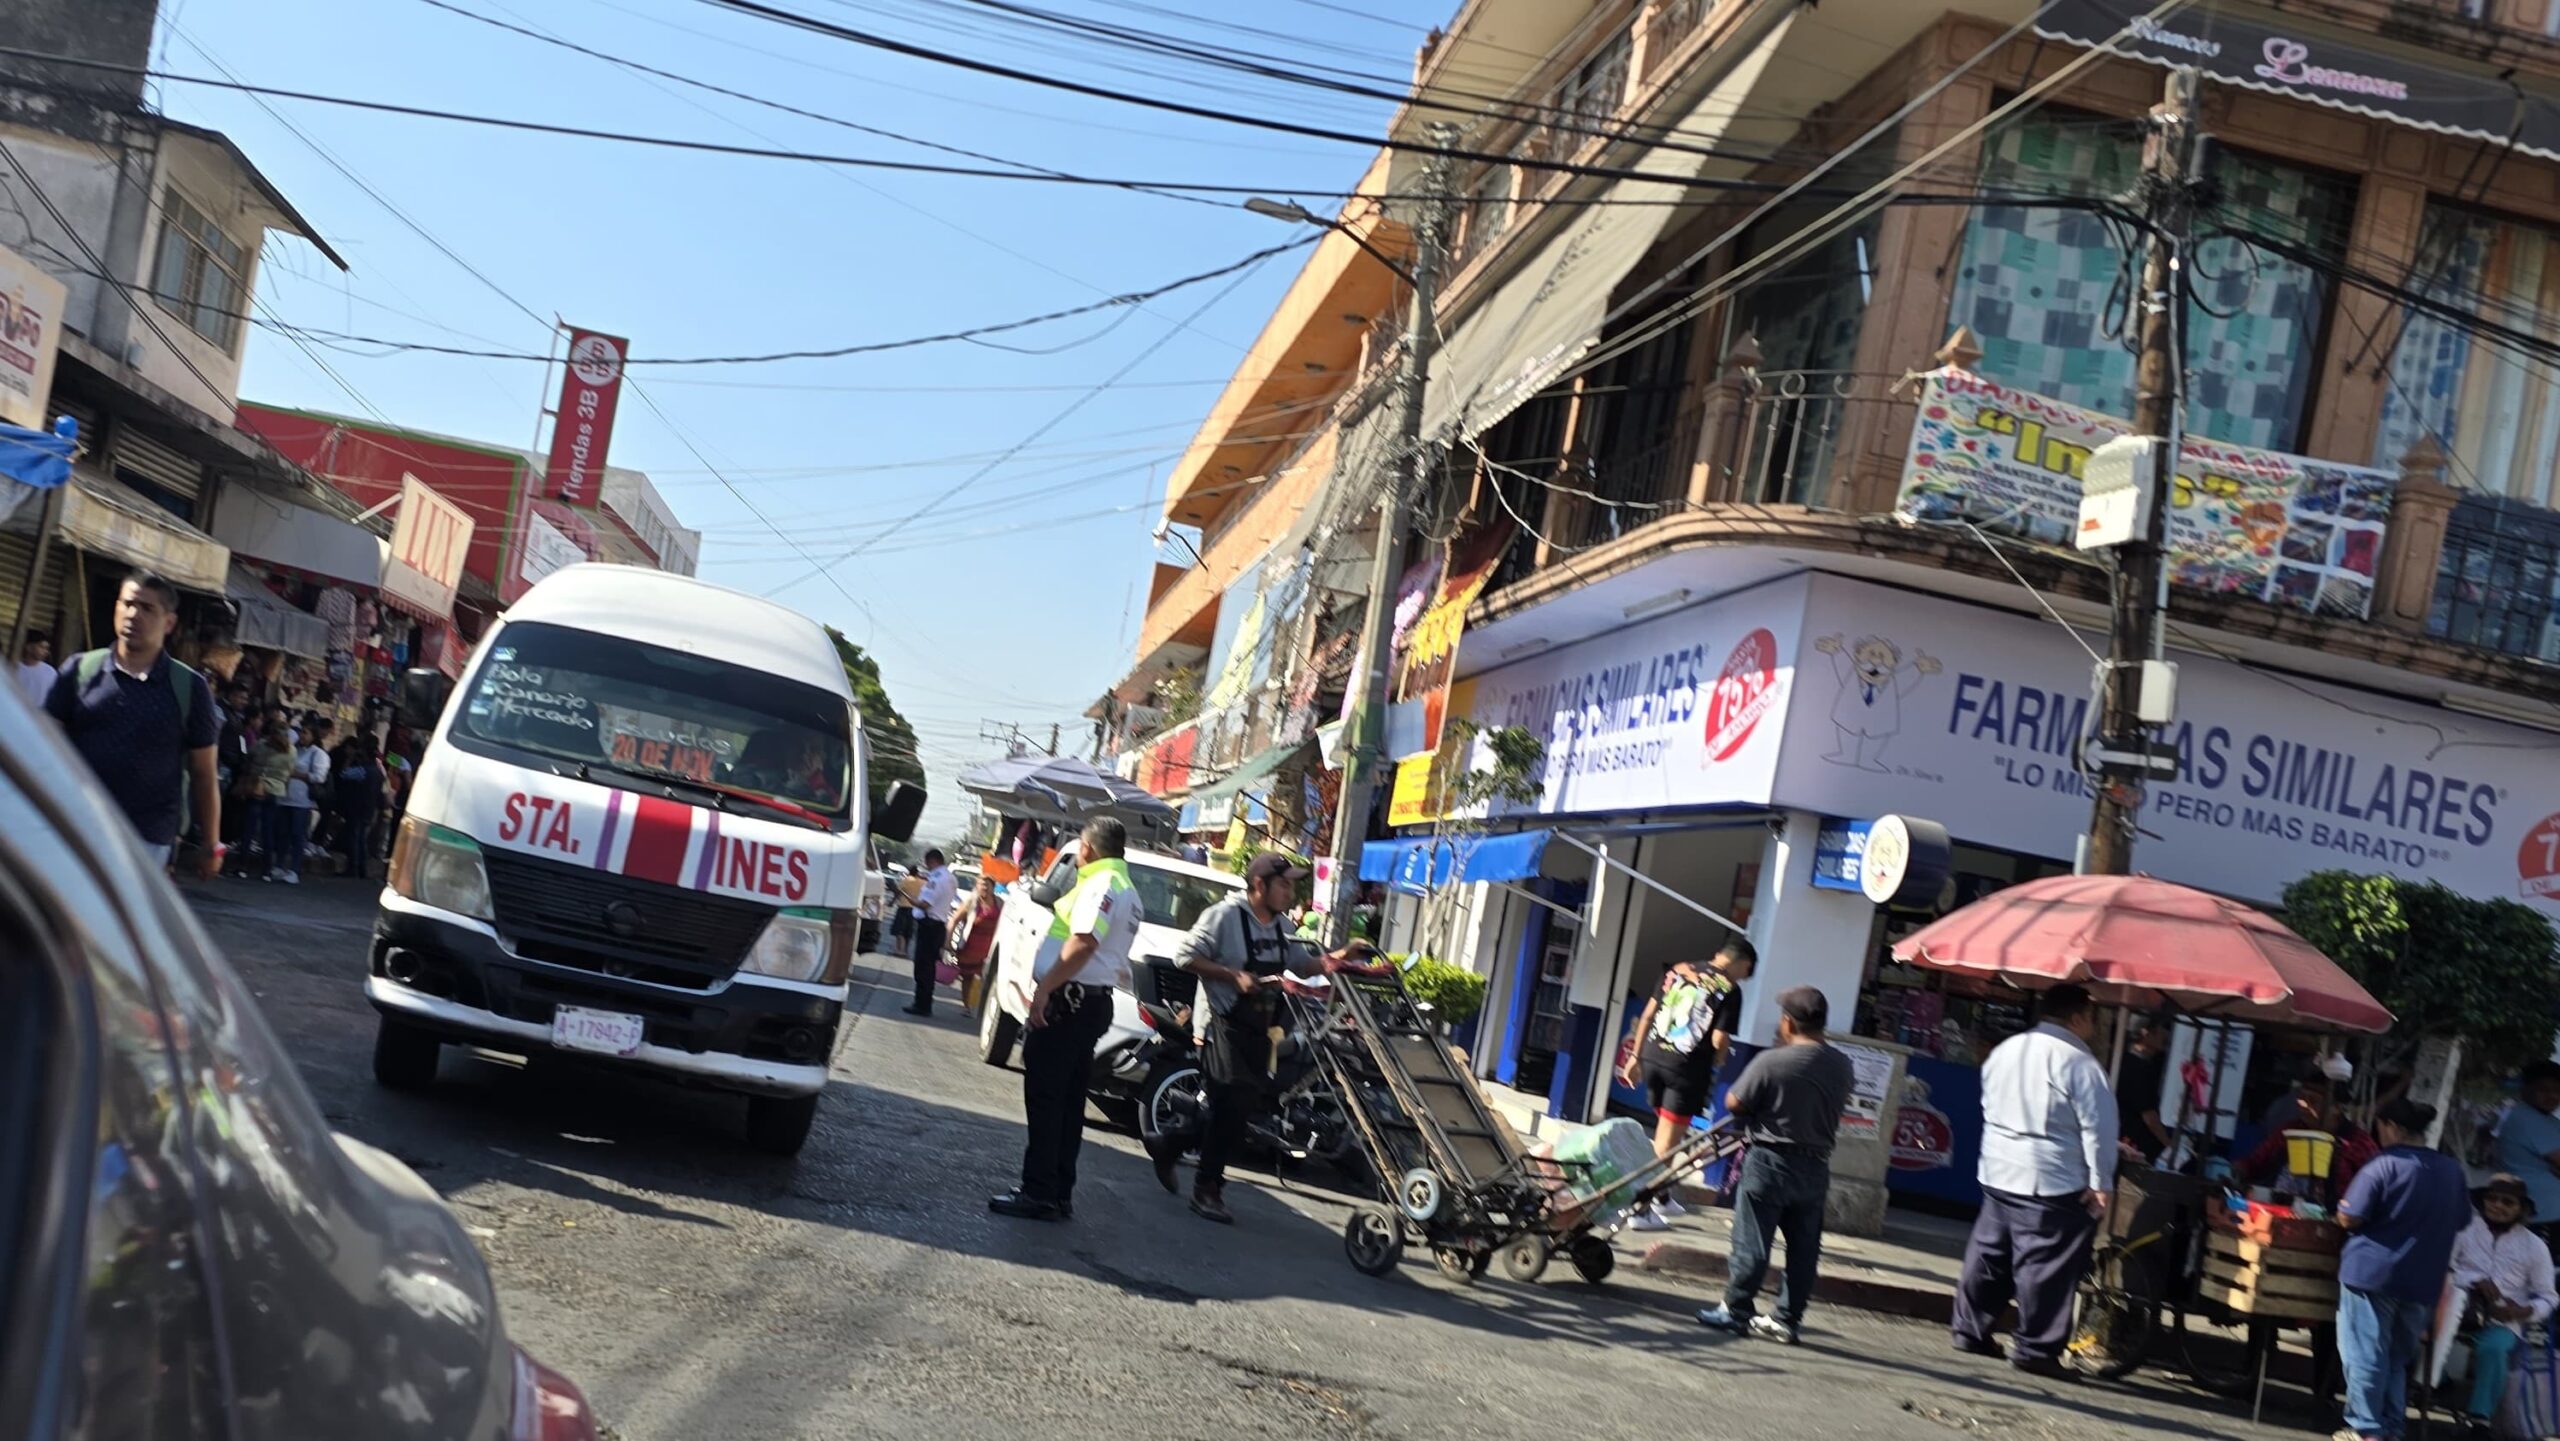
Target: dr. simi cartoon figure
<point>1873,680</point>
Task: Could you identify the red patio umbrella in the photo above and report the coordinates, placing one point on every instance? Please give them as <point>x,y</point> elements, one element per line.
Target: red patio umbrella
<point>2141,942</point>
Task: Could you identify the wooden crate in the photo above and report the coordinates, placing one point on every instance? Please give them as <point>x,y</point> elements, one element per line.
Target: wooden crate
<point>2253,1278</point>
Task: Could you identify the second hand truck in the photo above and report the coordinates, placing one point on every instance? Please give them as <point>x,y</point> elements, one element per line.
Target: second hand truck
<point>1456,1178</point>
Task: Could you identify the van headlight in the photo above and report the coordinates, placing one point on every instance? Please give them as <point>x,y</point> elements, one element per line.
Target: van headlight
<point>441,868</point>
<point>804,943</point>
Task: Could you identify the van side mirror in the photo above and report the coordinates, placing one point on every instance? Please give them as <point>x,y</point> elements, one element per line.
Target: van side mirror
<point>898,813</point>
<point>423,693</point>
<point>1053,887</point>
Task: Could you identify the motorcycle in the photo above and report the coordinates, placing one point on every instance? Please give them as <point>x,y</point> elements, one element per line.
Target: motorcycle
<point>1300,1116</point>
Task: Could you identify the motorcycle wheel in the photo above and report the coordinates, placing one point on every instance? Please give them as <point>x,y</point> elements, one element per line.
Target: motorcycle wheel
<point>1460,1264</point>
<point>1525,1260</point>
<point>1374,1240</point>
<point>1170,1111</point>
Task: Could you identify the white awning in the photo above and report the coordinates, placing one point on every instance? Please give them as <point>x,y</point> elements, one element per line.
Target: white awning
<point>1549,314</point>
<point>279,532</point>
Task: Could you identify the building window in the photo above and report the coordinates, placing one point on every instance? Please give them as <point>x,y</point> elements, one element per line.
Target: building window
<point>2048,292</point>
<point>202,272</point>
<point>2496,413</point>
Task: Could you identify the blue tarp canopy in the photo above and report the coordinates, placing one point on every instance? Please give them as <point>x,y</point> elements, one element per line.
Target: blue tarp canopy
<point>1418,863</point>
<point>32,457</point>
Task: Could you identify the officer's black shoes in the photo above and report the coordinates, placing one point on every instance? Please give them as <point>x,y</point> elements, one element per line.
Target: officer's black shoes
<point>1027,1208</point>
<point>1211,1206</point>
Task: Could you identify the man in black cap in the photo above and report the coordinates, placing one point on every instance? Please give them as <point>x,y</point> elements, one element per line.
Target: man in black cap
<point>1239,949</point>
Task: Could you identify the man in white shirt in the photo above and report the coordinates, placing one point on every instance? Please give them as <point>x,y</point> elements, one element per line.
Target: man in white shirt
<point>2507,1271</point>
<point>35,670</point>
<point>932,919</point>
<point>2048,1167</point>
<point>1083,959</point>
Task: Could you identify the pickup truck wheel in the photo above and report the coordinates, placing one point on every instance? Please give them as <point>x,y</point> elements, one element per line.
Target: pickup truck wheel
<point>779,1125</point>
<point>996,1030</point>
<point>404,1058</point>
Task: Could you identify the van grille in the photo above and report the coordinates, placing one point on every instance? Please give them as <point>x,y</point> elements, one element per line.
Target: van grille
<point>565,914</point>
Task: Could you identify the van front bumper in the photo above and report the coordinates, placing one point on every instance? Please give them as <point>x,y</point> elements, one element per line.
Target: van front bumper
<point>453,978</point>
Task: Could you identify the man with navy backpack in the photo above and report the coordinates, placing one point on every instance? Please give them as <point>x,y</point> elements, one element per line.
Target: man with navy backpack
<point>146,723</point>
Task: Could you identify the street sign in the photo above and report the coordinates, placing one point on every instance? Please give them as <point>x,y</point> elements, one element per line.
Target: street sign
<point>2157,760</point>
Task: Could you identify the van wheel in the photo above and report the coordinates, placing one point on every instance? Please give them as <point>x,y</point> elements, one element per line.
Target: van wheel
<point>996,1030</point>
<point>404,1057</point>
<point>779,1125</point>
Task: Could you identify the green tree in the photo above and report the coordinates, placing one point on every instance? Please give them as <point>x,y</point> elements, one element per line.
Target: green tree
<point>894,755</point>
<point>2446,964</point>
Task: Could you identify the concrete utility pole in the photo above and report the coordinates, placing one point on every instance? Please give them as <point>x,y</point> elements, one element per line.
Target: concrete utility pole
<point>1362,758</point>
<point>2171,165</point>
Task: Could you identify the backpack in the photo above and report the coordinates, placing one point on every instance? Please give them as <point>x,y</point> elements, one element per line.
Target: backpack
<point>93,663</point>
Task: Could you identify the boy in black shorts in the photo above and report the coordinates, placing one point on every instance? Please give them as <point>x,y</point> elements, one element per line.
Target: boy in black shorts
<point>1681,1040</point>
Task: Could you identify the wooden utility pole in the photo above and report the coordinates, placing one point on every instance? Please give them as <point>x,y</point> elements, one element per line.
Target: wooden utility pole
<point>1363,761</point>
<point>2170,161</point>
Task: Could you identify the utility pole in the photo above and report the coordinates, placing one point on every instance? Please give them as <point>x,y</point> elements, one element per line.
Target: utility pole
<point>2172,162</point>
<point>1362,758</point>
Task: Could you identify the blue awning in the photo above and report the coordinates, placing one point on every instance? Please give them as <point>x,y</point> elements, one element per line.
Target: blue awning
<point>1417,864</point>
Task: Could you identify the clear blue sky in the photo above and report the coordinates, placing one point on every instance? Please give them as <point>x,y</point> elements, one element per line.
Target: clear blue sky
<point>708,255</point>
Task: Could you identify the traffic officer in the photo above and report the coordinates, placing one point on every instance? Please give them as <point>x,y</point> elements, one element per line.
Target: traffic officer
<point>1082,960</point>
<point>1239,949</point>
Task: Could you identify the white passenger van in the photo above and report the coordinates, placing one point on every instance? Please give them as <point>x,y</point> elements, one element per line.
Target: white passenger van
<point>637,838</point>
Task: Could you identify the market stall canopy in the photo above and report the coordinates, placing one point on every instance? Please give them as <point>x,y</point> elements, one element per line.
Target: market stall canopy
<point>258,526</point>
<point>266,620</point>
<point>2135,941</point>
<point>1062,790</point>
<point>1418,863</point>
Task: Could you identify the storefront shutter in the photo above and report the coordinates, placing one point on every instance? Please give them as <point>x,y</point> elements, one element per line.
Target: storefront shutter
<point>17,554</point>
<point>156,463</point>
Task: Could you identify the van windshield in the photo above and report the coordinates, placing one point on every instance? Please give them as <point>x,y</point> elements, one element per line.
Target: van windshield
<point>1175,900</point>
<point>643,710</point>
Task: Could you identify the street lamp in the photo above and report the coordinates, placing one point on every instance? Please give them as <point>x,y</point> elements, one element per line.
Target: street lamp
<point>1295,214</point>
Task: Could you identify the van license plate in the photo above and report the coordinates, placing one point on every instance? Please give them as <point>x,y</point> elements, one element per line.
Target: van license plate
<point>574,1028</point>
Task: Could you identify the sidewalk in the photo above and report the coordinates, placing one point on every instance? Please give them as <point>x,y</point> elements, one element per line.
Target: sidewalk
<point>1909,1271</point>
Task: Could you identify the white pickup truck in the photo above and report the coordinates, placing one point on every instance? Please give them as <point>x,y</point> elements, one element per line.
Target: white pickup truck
<point>1175,893</point>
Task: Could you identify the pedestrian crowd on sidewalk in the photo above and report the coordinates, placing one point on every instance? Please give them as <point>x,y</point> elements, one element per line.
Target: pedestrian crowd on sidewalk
<point>251,788</point>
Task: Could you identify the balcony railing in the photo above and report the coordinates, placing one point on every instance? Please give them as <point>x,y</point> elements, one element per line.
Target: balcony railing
<point>1672,22</point>
<point>2498,582</point>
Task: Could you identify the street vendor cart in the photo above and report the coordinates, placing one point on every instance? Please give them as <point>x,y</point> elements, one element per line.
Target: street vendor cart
<point>2172,1243</point>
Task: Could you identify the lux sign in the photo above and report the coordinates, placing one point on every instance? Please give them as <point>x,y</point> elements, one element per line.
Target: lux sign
<point>428,545</point>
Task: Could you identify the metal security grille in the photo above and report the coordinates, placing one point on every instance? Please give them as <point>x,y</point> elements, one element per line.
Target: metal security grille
<point>156,463</point>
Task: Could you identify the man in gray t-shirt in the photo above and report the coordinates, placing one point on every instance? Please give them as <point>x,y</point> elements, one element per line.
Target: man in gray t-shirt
<point>1788,1103</point>
<point>1239,949</point>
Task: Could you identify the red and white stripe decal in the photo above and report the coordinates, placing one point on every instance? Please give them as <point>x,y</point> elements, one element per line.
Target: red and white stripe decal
<point>661,834</point>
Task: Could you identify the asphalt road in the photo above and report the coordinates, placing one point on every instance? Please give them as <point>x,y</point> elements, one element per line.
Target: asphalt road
<point>696,1288</point>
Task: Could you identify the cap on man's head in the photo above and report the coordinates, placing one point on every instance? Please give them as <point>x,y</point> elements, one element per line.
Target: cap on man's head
<point>2510,1186</point>
<point>1807,1007</point>
<point>1271,863</point>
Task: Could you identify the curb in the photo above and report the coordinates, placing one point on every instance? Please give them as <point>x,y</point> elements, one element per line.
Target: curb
<point>1916,1303</point>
